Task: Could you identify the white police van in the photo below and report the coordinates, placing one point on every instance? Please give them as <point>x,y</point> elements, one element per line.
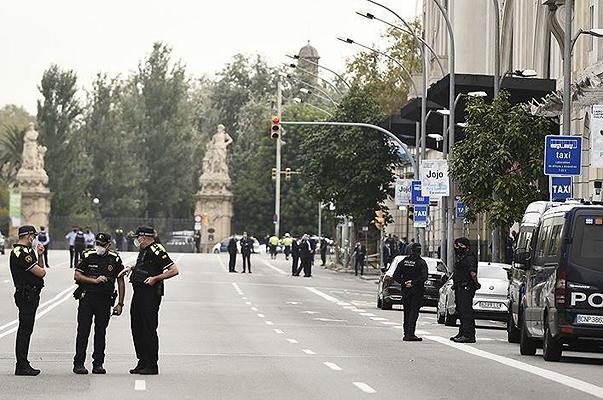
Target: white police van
<point>562,303</point>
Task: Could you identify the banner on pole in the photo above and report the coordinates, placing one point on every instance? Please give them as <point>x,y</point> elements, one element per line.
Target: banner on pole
<point>403,191</point>
<point>14,207</point>
<point>596,136</point>
<point>434,178</point>
<point>560,188</point>
<point>420,217</point>
<point>417,196</point>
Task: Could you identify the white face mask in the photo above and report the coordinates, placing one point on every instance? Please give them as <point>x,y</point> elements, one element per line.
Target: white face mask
<point>136,243</point>
<point>100,250</point>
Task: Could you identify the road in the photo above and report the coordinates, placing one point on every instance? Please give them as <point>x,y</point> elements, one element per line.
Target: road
<point>269,335</point>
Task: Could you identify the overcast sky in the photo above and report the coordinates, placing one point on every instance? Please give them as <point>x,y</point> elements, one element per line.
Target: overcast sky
<point>113,35</point>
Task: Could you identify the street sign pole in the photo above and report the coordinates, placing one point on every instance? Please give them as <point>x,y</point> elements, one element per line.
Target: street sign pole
<point>277,194</point>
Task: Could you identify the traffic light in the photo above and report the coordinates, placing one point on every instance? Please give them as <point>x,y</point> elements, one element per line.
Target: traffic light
<point>287,174</point>
<point>273,174</point>
<point>411,213</point>
<point>275,131</point>
<point>379,219</point>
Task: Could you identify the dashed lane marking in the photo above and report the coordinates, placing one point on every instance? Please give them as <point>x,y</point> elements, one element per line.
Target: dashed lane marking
<point>269,322</point>
<point>333,366</point>
<point>378,318</point>
<point>280,271</point>
<point>140,385</point>
<point>254,309</point>
<point>237,288</point>
<point>279,332</point>
<point>261,316</point>
<point>248,303</point>
<point>364,387</point>
<point>308,351</point>
<point>292,341</point>
<point>368,314</point>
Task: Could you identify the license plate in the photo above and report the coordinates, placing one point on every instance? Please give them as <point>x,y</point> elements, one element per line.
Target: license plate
<point>489,304</point>
<point>589,319</point>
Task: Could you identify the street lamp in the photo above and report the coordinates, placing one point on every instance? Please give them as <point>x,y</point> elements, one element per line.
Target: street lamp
<point>300,101</point>
<point>327,98</point>
<point>96,202</point>
<point>316,76</point>
<point>289,76</point>
<point>341,78</point>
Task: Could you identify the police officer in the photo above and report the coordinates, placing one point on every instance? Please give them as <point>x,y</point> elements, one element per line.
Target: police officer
<point>232,252</point>
<point>96,274</point>
<point>359,255</point>
<point>411,273</point>
<point>273,243</point>
<point>324,246</point>
<point>464,284</point>
<point>153,266</point>
<point>28,272</point>
<point>294,257</point>
<point>287,242</point>
<point>306,255</point>
<point>246,249</point>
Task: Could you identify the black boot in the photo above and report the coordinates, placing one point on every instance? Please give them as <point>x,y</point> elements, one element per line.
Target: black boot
<point>26,370</point>
<point>80,370</point>
<point>137,368</point>
<point>98,369</point>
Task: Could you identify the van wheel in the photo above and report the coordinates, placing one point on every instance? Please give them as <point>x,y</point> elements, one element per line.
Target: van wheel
<point>386,305</point>
<point>551,348</point>
<point>527,345</point>
<point>449,320</point>
<point>513,333</point>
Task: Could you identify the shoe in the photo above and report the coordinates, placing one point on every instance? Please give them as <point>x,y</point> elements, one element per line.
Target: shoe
<point>295,275</point>
<point>26,371</point>
<point>98,369</point>
<point>80,370</point>
<point>455,337</point>
<point>307,276</point>
<point>412,338</point>
<point>149,371</point>
<point>242,272</point>
<point>464,339</point>
<point>249,271</point>
<point>137,368</point>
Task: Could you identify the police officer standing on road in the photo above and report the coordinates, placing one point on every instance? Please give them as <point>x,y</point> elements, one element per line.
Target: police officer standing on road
<point>294,257</point>
<point>412,274</point>
<point>44,239</point>
<point>246,249</point>
<point>232,252</point>
<point>465,284</point>
<point>305,253</point>
<point>324,246</point>
<point>96,275</point>
<point>28,272</point>
<point>287,242</point>
<point>153,266</point>
<point>359,255</point>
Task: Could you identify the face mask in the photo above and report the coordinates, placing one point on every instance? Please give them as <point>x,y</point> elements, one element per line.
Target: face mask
<point>136,243</point>
<point>100,250</point>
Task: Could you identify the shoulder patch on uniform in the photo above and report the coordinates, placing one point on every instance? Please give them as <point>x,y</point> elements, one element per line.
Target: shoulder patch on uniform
<point>113,253</point>
<point>26,249</point>
<point>89,252</point>
<point>28,258</point>
<point>17,251</point>
<point>158,247</point>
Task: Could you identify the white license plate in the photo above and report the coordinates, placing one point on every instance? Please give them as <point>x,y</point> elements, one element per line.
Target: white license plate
<point>589,319</point>
<point>489,304</point>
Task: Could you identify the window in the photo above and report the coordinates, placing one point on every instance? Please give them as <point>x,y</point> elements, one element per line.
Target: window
<point>587,241</point>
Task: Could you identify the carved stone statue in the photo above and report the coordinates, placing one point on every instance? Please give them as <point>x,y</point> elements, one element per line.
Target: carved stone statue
<point>33,154</point>
<point>214,161</point>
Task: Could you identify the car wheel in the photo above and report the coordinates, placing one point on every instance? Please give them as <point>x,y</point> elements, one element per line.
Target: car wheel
<point>216,251</point>
<point>386,305</point>
<point>513,333</point>
<point>551,348</point>
<point>449,320</point>
<point>440,317</point>
<point>527,345</point>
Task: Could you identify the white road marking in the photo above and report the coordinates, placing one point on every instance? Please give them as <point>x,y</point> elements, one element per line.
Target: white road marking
<point>350,307</point>
<point>323,295</point>
<point>329,320</point>
<point>390,323</point>
<point>309,312</point>
<point>221,263</point>
<point>279,332</point>
<point>248,303</point>
<point>293,302</point>
<point>254,309</point>
<point>293,341</point>
<point>7,281</point>
<point>359,310</point>
<point>420,332</point>
<point>140,385</point>
<point>364,387</point>
<point>243,298</point>
<point>280,271</point>
<point>308,351</point>
<point>237,288</point>
<point>343,303</point>
<point>261,316</point>
<point>378,318</point>
<point>269,322</point>
<point>333,366</point>
<point>565,380</point>
<point>368,314</point>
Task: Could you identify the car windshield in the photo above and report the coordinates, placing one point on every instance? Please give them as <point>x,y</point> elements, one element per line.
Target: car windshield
<point>587,241</point>
<point>490,272</point>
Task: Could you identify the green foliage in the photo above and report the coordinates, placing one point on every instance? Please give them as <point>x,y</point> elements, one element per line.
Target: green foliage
<point>499,163</point>
<point>350,167</point>
<point>11,150</point>
<point>12,115</point>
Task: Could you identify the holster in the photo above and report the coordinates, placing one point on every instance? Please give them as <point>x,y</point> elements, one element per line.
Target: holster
<point>27,292</point>
<point>79,293</point>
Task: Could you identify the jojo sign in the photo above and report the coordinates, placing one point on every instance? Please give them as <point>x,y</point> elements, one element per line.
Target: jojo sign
<point>563,155</point>
<point>434,177</point>
<point>403,192</point>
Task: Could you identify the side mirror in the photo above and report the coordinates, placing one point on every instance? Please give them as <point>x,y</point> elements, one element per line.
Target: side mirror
<point>384,269</point>
<point>522,259</point>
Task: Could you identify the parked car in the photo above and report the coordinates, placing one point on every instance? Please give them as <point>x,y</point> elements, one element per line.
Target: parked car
<point>181,242</point>
<point>390,291</point>
<point>2,243</point>
<point>490,301</point>
<point>222,246</point>
<point>562,307</point>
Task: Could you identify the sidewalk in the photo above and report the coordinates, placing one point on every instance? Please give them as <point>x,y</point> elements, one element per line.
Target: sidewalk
<point>370,273</point>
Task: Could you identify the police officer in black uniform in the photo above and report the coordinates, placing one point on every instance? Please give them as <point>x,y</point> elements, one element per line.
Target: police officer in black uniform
<point>153,266</point>
<point>28,272</point>
<point>294,257</point>
<point>465,284</point>
<point>306,255</point>
<point>246,250</point>
<point>232,252</point>
<point>95,275</point>
<point>412,274</point>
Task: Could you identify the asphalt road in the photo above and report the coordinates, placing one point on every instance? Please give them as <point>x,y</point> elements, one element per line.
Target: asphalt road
<point>269,336</point>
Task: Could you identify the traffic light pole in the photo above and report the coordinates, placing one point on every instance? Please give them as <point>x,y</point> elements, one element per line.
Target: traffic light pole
<point>277,194</point>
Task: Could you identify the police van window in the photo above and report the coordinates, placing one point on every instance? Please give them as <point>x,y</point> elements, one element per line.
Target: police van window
<point>554,241</point>
<point>587,243</point>
<point>541,243</point>
<point>524,240</point>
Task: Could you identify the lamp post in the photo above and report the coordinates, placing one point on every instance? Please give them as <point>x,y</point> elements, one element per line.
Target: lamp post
<point>96,203</point>
<point>496,48</point>
<point>326,97</point>
<point>299,100</point>
<point>277,189</point>
<point>302,82</point>
<point>305,71</point>
<point>341,78</point>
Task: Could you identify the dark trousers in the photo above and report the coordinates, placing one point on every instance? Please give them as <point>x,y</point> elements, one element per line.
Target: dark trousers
<point>294,265</point>
<point>464,308</point>
<point>78,255</point>
<point>306,265</point>
<point>412,300</point>
<point>46,256</point>
<point>99,307</point>
<point>144,316</point>
<point>287,252</point>
<point>359,264</point>
<point>323,257</point>
<point>232,262</point>
<point>27,302</point>
<point>71,256</point>
<point>272,251</point>
<point>246,261</point>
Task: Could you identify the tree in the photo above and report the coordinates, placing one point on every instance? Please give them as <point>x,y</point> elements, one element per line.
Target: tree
<point>498,165</point>
<point>12,115</point>
<point>58,112</point>
<point>11,150</point>
<point>353,168</point>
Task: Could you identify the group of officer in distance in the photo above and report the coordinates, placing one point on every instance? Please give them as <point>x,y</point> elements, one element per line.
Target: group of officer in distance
<point>412,274</point>
<point>96,274</point>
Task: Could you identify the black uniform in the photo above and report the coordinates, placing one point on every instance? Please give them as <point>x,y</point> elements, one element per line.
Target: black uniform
<point>323,250</point>
<point>78,247</point>
<point>246,248</point>
<point>153,260</point>
<point>232,251</point>
<point>306,255</point>
<point>412,268</point>
<point>27,297</point>
<point>95,301</point>
<point>464,291</point>
<point>294,257</point>
<point>360,251</point>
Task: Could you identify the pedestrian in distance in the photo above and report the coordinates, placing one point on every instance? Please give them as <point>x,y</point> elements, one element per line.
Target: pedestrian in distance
<point>387,255</point>
<point>96,275</point>
<point>412,274</point>
<point>119,239</point>
<point>294,257</point>
<point>44,239</point>
<point>28,274</point>
<point>89,238</point>
<point>273,243</point>
<point>153,267</point>
<point>287,243</point>
<point>232,252</point>
<point>402,246</point>
<point>305,254</point>
<point>197,238</point>
<point>246,250</point>
<point>79,245</point>
<point>359,257</point>
<point>324,246</point>
<point>465,284</point>
<point>71,241</point>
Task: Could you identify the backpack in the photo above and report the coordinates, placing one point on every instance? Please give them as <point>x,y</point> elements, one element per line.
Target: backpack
<point>42,237</point>
<point>80,240</point>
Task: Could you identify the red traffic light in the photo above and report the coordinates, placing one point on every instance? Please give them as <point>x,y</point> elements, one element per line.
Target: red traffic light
<point>276,120</point>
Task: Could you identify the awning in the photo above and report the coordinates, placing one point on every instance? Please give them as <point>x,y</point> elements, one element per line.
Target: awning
<point>405,130</point>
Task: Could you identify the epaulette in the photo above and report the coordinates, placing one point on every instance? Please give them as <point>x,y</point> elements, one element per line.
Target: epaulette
<point>157,248</point>
<point>88,252</point>
<point>113,253</point>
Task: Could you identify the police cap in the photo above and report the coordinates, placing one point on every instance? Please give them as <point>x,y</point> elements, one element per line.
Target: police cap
<point>27,230</point>
<point>145,231</point>
<point>103,238</point>
<point>415,248</point>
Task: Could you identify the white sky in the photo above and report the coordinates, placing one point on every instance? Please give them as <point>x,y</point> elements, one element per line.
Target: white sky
<point>113,35</point>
